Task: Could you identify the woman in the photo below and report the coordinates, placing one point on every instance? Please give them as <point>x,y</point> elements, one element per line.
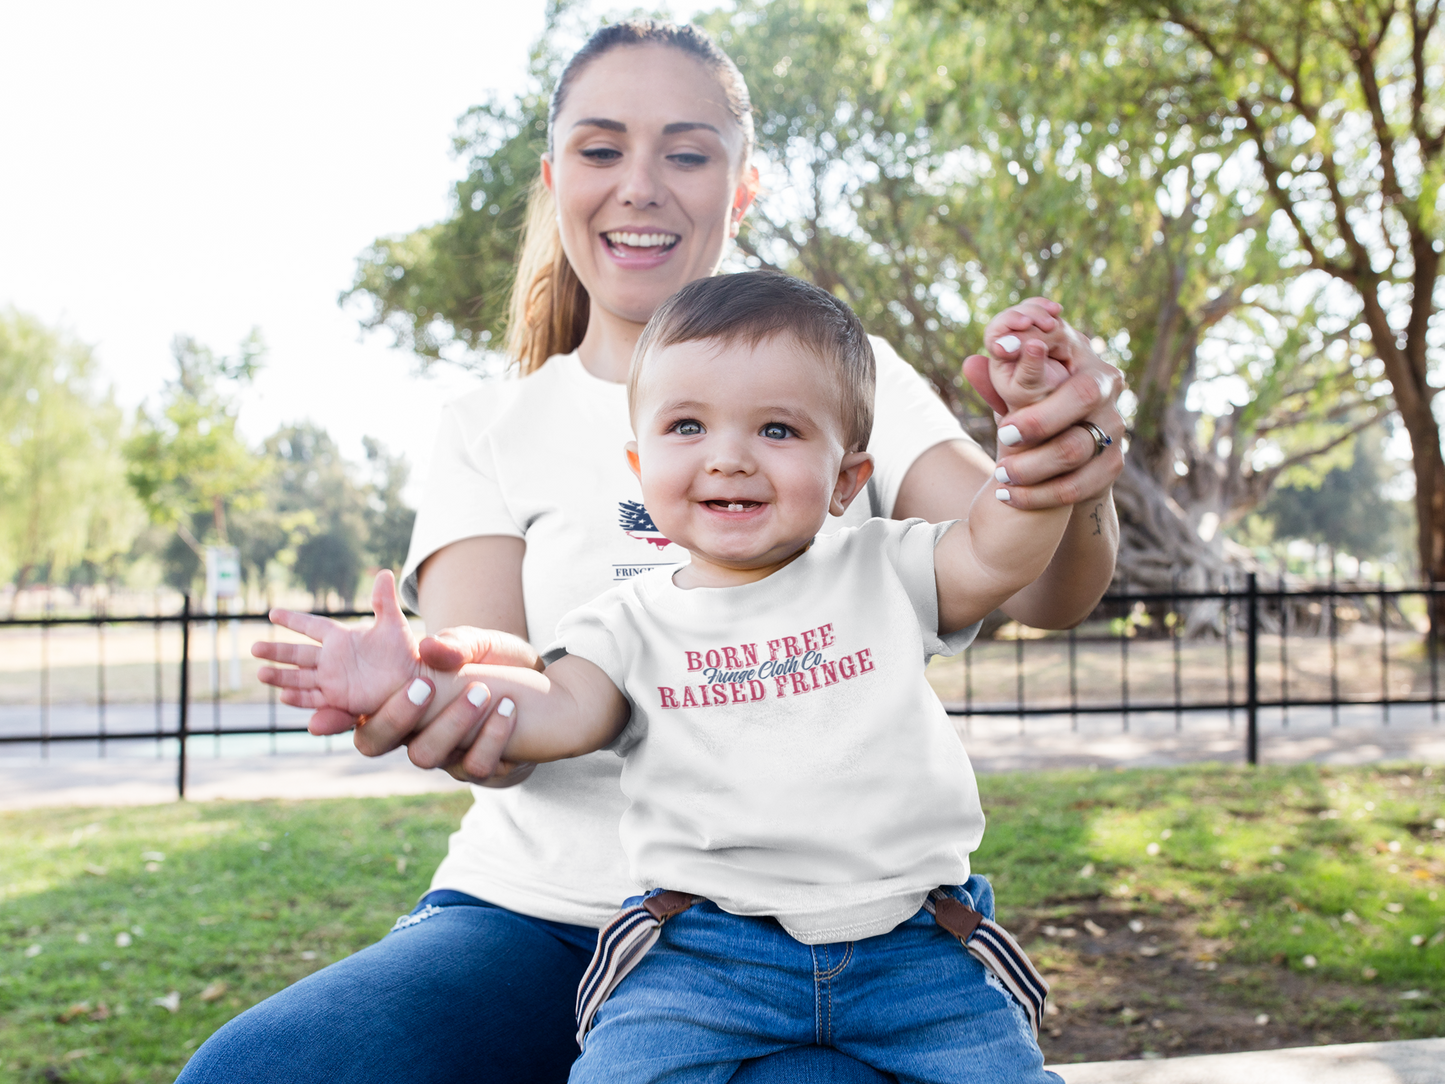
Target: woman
<point>531,510</point>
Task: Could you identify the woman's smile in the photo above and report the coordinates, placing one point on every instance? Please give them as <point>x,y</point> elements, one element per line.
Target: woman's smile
<point>639,249</point>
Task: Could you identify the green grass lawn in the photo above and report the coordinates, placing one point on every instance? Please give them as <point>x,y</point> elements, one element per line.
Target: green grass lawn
<point>127,936</point>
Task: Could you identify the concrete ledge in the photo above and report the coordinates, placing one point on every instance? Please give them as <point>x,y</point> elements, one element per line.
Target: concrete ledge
<point>1417,1061</point>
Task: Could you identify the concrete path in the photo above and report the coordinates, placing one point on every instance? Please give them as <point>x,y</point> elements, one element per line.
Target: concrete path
<point>69,780</point>
<point>1418,1061</point>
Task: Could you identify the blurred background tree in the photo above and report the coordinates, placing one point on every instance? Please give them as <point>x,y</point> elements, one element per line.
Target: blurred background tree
<point>64,505</point>
<point>1349,509</point>
<point>187,460</point>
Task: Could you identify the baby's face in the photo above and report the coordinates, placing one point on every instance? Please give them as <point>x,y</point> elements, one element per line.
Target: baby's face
<point>739,449</point>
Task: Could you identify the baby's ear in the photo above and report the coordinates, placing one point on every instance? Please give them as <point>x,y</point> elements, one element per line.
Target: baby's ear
<point>632,460</point>
<point>853,475</point>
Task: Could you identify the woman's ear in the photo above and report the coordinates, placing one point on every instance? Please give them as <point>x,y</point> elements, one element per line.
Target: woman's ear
<point>632,460</point>
<point>743,196</point>
<point>547,172</point>
<point>853,475</point>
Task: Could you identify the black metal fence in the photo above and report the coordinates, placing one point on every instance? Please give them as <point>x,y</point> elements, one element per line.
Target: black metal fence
<point>1244,626</point>
<point>31,722</point>
<point>1238,651</point>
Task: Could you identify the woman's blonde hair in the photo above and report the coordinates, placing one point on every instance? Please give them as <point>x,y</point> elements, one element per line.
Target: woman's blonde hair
<point>548,311</point>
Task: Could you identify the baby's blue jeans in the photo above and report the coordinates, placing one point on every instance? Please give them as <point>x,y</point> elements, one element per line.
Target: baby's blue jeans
<point>718,989</point>
<point>461,991</point>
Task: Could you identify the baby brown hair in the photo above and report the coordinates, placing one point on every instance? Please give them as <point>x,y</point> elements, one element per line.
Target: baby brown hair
<point>758,305</point>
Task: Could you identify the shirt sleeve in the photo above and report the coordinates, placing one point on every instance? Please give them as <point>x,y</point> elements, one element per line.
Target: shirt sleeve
<point>587,633</point>
<point>908,419</point>
<point>914,562</point>
<point>462,498</point>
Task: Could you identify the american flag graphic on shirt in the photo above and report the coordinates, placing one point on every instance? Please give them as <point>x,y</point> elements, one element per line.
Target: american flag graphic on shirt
<point>638,524</point>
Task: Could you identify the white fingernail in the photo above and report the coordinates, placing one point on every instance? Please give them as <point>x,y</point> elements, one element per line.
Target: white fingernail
<point>1106,384</point>
<point>418,692</point>
<point>1002,475</point>
<point>1002,494</point>
<point>1008,343</point>
<point>1009,435</point>
<point>478,695</point>
<point>506,707</point>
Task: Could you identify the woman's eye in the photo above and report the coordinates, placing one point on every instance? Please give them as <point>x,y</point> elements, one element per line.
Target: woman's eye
<point>690,160</point>
<point>776,431</point>
<point>601,154</point>
<point>687,428</point>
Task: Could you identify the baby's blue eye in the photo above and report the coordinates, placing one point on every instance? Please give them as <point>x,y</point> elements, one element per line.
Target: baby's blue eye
<point>687,428</point>
<point>776,431</point>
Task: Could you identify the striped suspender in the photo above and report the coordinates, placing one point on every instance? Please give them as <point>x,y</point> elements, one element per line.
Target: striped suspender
<point>623,942</point>
<point>621,945</point>
<point>992,946</point>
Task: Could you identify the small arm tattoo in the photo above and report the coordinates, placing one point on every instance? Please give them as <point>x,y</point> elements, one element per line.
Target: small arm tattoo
<point>1098,520</point>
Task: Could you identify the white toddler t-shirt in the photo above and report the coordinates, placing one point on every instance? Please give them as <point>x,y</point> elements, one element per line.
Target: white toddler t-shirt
<point>541,458</point>
<point>786,755</point>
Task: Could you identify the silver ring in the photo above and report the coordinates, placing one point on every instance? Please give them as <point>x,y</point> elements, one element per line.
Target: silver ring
<point>1102,439</point>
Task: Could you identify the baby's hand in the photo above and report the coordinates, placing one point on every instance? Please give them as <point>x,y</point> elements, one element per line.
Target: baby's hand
<point>354,670</point>
<point>1028,373</point>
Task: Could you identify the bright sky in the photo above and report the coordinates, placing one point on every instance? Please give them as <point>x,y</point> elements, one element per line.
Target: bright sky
<point>202,169</point>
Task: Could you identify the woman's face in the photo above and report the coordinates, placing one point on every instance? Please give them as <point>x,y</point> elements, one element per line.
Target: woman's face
<point>648,174</point>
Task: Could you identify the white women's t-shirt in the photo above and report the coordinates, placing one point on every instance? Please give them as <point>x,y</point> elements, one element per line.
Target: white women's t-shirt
<point>786,756</point>
<point>541,458</point>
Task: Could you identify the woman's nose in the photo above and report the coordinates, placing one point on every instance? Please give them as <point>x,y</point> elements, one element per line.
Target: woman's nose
<point>641,186</point>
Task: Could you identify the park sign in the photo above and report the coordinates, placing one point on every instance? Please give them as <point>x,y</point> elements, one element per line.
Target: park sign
<point>223,572</point>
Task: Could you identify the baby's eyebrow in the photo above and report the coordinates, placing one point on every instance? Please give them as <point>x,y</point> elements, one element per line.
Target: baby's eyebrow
<point>787,414</point>
<point>677,406</point>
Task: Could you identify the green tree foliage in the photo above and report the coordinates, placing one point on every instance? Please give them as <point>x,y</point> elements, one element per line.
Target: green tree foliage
<point>941,165</point>
<point>1348,509</point>
<point>63,501</point>
<point>1342,109</point>
<point>935,162</point>
<point>446,285</point>
<point>312,489</point>
<point>188,458</point>
<point>388,518</point>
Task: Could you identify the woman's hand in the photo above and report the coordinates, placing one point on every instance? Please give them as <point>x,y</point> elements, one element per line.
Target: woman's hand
<point>1045,457</point>
<point>466,738</point>
<point>468,743</point>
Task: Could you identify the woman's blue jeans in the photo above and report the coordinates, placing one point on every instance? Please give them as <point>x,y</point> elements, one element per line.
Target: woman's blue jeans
<point>462,991</point>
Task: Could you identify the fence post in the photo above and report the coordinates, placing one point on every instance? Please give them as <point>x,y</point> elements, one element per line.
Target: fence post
<point>1251,673</point>
<point>185,694</point>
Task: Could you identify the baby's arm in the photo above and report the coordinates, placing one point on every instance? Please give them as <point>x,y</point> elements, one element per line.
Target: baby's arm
<point>999,550</point>
<point>571,709</point>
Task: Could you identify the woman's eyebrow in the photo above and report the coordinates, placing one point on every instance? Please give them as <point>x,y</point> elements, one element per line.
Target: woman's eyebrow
<point>688,126</point>
<point>669,129</point>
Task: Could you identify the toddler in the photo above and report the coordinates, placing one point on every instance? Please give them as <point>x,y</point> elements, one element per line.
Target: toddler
<point>802,810</point>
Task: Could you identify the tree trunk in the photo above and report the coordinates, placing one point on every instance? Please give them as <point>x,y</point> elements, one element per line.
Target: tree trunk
<point>1158,549</point>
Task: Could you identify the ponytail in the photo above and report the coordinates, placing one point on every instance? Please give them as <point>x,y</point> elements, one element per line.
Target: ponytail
<point>548,311</point>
